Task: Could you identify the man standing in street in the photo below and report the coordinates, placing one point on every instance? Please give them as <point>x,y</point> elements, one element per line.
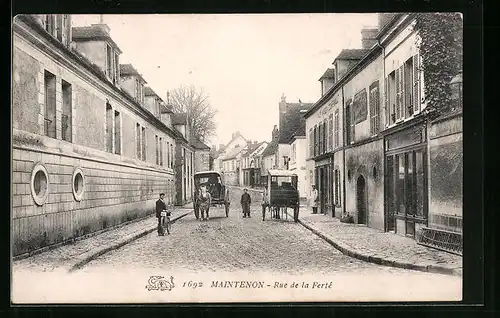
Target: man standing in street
<point>245,203</point>
<point>160,207</point>
<point>314,199</point>
<point>265,203</point>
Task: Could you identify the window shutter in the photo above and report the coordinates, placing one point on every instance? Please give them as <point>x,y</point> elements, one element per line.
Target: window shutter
<point>416,83</point>
<point>330,133</point>
<point>398,93</point>
<point>386,102</point>
<point>63,29</point>
<point>320,138</point>
<point>351,110</point>
<point>402,91</point>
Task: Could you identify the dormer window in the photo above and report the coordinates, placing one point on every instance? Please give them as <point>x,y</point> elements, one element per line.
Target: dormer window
<point>139,95</point>
<point>59,26</point>
<point>112,64</point>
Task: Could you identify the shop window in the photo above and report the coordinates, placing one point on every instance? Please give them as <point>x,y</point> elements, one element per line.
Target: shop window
<point>78,184</point>
<point>39,184</point>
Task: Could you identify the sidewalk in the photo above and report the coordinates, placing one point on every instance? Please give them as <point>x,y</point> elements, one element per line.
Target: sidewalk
<point>74,255</point>
<point>371,245</point>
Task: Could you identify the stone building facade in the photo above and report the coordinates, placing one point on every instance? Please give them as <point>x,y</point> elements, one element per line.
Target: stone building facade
<point>201,155</point>
<point>87,154</point>
<point>399,170</point>
<point>184,160</point>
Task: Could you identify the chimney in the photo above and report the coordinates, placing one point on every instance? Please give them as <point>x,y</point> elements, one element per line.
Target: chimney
<point>384,18</point>
<point>275,133</point>
<point>368,37</point>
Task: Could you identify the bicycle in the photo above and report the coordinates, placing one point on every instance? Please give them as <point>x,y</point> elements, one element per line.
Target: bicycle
<point>165,216</point>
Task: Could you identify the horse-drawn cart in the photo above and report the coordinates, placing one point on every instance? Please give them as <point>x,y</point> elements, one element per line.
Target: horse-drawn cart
<point>283,193</point>
<point>212,181</point>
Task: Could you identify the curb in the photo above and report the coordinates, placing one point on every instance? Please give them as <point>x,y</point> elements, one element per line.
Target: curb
<point>93,254</point>
<point>383,261</point>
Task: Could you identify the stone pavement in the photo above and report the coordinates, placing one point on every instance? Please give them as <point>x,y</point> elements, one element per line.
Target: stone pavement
<point>72,256</point>
<point>372,245</point>
<point>379,247</point>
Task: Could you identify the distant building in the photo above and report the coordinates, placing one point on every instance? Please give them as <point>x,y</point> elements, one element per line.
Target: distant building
<point>251,157</point>
<point>201,155</point>
<point>184,160</point>
<point>231,164</point>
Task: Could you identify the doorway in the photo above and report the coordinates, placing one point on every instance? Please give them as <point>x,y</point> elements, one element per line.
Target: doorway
<point>322,190</point>
<point>361,199</point>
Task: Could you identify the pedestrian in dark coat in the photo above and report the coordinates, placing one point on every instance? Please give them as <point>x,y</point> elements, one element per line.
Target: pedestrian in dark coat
<point>160,206</point>
<point>245,203</point>
<point>265,203</point>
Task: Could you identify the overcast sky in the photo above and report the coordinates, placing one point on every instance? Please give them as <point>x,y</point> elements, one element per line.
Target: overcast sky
<point>244,62</point>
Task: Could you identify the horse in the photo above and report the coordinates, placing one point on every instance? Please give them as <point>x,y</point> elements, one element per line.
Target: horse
<point>204,204</point>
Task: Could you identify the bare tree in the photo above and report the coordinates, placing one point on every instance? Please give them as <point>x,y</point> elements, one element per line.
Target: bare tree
<point>201,115</point>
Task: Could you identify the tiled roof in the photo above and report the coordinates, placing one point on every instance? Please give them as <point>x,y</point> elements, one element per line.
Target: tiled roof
<point>198,144</point>
<point>232,153</point>
<point>329,73</point>
<point>352,54</point>
<point>128,69</point>
<point>148,91</point>
<point>301,131</point>
<point>291,120</point>
<point>92,32</point>
<point>251,148</point>
<point>179,119</point>
<point>271,148</point>
<point>167,108</point>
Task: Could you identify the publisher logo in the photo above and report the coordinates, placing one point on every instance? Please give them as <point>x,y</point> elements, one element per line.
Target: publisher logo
<point>160,283</point>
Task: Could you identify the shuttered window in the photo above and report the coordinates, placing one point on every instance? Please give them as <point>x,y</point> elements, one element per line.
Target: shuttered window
<point>311,143</point>
<point>374,108</point>
<point>416,84</point>
<point>337,129</point>
<point>330,133</point>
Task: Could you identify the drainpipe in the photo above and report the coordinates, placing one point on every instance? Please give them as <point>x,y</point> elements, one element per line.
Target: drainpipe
<point>383,156</point>
<point>343,153</point>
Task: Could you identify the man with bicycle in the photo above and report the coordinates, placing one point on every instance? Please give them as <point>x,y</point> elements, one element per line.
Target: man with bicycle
<point>161,214</point>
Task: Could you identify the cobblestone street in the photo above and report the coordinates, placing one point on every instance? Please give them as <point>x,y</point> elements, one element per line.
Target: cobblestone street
<point>234,248</point>
<point>236,244</point>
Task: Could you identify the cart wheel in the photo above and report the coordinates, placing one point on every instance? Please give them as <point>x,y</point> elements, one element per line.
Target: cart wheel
<point>227,209</point>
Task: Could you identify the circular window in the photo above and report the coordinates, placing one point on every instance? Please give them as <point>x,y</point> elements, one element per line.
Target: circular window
<point>78,184</point>
<point>374,172</point>
<point>39,184</point>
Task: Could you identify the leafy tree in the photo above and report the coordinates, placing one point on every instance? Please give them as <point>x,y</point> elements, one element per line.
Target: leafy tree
<point>440,41</point>
<point>201,114</point>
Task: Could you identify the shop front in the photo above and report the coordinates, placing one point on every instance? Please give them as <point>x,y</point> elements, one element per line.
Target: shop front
<point>406,207</point>
<point>324,183</point>
<point>251,177</point>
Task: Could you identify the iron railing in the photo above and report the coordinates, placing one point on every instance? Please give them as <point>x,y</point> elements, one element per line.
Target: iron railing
<point>440,239</point>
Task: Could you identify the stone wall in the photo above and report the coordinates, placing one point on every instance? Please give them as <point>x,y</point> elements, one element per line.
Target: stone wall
<point>110,193</point>
<point>366,161</point>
